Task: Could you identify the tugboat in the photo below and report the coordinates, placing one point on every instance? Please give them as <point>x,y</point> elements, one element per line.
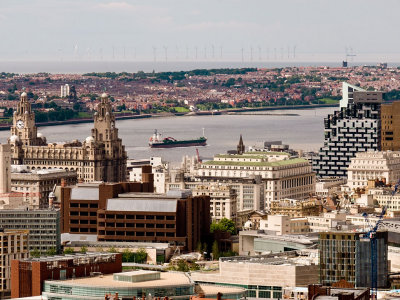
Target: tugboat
<point>156,141</point>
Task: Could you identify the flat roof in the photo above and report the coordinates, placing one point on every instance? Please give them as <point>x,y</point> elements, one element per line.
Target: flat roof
<point>85,193</point>
<point>70,256</point>
<point>258,163</point>
<point>166,279</point>
<point>144,205</point>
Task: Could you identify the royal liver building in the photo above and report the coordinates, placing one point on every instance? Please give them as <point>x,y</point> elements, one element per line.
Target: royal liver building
<point>100,157</point>
<point>356,127</point>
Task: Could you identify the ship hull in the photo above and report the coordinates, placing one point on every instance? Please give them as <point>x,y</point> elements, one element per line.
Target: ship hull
<point>178,144</point>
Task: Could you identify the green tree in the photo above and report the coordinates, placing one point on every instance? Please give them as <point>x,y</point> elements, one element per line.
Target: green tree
<point>51,252</point>
<point>69,250</point>
<point>112,250</point>
<point>141,256</point>
<point>215,250</point>
<point>225,225</point>
<point>83,249</point>
<point>35,253</point>
<point>182,266</point>
<point>127,255</point>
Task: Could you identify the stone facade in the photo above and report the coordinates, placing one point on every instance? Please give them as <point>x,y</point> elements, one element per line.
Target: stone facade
<point>101,157</point>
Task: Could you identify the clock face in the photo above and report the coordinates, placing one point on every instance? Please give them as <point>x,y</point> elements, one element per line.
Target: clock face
<point>20,124</point>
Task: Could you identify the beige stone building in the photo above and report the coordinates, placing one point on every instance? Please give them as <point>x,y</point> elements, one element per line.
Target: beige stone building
<point>101,157</point>
<point>13,245</point>
<point>36,185</point>
<point>371,165</point>
<point>222,200</point>
<point>294,208</point>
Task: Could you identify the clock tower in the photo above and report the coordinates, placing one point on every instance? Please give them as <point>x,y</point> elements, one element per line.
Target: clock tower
<point>24,129</point>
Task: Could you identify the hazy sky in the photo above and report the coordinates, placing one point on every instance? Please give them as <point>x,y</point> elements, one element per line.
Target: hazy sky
<point>142,30</point>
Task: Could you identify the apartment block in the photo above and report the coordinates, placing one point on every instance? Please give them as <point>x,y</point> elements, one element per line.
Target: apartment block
<point>390,118</point>
<point>43,226</point>
<point>13,245</point>
<point>356,127</point>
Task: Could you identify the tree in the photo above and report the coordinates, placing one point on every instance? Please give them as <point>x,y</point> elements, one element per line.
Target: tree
<point>69,251</point>
<point>35,253</point>
<point>141,255</point>
<point>112,250</point>
<point>225,225</point>
<point>51,252</point>
<point>83,249</point>
<point>215,250</point>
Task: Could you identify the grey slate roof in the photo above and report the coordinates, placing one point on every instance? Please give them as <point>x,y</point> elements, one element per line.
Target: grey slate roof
<point>144,205</point>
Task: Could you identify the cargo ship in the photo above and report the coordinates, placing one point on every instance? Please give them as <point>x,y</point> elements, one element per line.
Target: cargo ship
<point>156,141</point>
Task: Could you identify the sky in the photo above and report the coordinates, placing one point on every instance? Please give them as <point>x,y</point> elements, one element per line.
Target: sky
<point>179,30</point>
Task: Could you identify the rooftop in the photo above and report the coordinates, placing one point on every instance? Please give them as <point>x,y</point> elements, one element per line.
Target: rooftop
<point>137,204</point>
<point>166,279</point>
<point>258,164</point>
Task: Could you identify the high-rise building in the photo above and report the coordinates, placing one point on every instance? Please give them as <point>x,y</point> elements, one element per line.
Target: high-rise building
<point>101,157</point>
<point>64,91</point>
<point>13,245</point>
<point>355,128</point>
<point>347,256</point>
<point>390,117</point>
<point>43,226</point>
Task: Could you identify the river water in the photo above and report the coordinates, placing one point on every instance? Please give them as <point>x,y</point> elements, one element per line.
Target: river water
<point>301,129</point>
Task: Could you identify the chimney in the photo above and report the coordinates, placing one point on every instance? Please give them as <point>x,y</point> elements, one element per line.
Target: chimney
<point>63,182</point>
<point>5,168</point>
<point>219,296</point>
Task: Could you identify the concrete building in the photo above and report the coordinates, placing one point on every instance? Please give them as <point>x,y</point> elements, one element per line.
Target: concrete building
<point>64,91</point>
<point>222,200</point>
<point>263,276</point>
<point>29,275</point>
<point>347,256</point>
<point>254,242</point>
<point>101,157</point>
<point>295,208</point>
<point>284,177</point>
<point>319,292</point>
<point>136,285</point>
<point>355,128</point>
<point>158,168</point>
<point>43,226</point>
<point>327,186</point>
<point>36,185</point>
<point>327,221</point>
<point>282,224</point>
<point>13,245</point>
<point>371,165</point>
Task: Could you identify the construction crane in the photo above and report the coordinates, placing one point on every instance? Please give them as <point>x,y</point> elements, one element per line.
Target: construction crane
<point>371,236</point>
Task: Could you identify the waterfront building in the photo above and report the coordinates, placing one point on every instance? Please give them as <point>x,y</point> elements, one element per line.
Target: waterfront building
<point>13,245</point>
<point>222,200</point>
<point>43,226</point>
<point>263,276</point>
<point>28,275</point>
<point>372,165</point>
<point>284,177</point>
<point>131,212</point>
<point>347,256</point>
<point>355,128</point>
<point>101,157</point>
<point>295,208</point>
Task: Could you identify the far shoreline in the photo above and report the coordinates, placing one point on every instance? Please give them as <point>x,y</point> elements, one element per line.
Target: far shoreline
<point>165,115</point>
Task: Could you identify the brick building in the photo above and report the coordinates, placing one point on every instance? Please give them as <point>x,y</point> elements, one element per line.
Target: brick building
<point>131,212</point>
<point>28,275</point>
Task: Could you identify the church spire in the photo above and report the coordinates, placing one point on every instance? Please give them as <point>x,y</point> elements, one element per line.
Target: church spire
<point>240,147</point>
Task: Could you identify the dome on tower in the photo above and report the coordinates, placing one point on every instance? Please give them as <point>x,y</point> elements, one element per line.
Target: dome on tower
<point>104,95</point>
<point>89,140</point>
<point>14,138</point>
<point>39,135</point>
<point>24,94</point>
